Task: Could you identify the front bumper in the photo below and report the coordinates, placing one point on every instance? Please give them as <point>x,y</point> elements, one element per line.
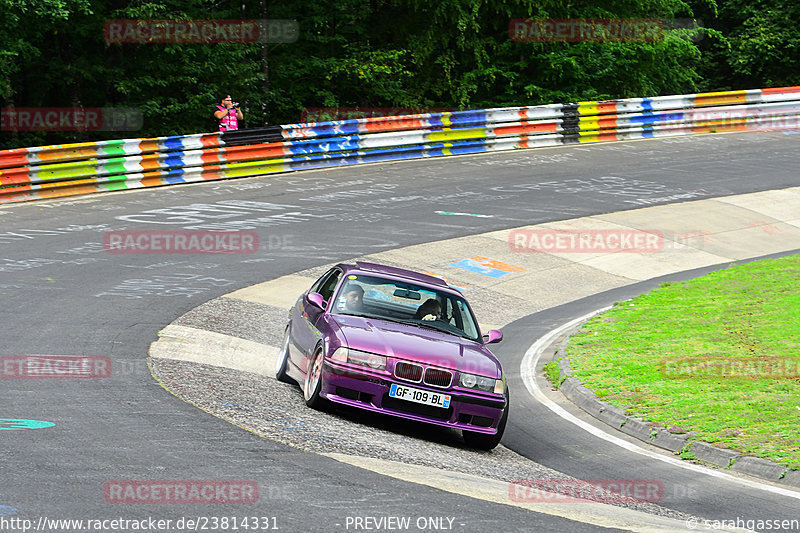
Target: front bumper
<point>367,390</point>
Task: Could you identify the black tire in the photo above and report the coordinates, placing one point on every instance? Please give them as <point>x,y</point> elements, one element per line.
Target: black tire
<point>482,441</point>
<point>313,384</point>
<point>283,361</point>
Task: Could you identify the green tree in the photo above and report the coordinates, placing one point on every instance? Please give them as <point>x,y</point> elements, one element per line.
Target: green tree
<point>374,53</point>
<point>753,44</point>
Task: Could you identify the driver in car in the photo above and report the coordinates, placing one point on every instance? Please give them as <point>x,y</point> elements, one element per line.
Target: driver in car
<point>353,299</point>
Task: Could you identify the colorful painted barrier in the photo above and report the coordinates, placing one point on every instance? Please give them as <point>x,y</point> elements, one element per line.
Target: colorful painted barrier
<point>67,170</point>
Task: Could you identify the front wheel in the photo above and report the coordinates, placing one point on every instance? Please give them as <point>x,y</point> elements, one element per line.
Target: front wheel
<point>283,361</point>
<point>482,441</point>
<point>313,386</point>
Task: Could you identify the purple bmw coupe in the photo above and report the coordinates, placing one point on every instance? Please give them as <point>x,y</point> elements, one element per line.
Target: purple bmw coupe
<point>396,342</point>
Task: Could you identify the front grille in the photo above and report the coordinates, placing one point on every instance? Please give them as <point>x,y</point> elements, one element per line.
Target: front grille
<point>416,408</point>
<point>408,371</point>
<point>437,377</point>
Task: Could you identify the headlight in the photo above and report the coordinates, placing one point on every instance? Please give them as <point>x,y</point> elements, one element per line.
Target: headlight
<point>471,381</point>
<point>340,354</point>
<point>500,385</point>
<point>357,357</point>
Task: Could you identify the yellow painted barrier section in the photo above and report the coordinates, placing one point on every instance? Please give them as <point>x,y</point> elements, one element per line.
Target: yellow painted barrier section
<point>455,135</point>
<point>589,123</point>
<point>588,108</point>
<point>253,170</point>
<point>248,164</point>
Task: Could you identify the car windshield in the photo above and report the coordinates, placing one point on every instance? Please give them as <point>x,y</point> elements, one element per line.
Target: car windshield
<point>407,303</point>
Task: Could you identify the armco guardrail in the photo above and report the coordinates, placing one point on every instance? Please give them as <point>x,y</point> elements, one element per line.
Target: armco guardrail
<point>66,170</point>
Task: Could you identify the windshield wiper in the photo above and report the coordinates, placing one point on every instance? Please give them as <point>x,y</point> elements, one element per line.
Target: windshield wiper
<point>361,315</point>
<point>423,325</point>
<point>430,325</point>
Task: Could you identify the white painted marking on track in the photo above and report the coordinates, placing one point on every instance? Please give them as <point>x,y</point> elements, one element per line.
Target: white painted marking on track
<point>527,369</point>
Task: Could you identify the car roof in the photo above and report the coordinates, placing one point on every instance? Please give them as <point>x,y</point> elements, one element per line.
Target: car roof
<point>396,272</point>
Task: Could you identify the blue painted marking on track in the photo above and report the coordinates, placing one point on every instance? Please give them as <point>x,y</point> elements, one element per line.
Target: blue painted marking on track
<point>19,423</point>
<point>647,104</point>
<point>474,266</point>
<point>7,510</point>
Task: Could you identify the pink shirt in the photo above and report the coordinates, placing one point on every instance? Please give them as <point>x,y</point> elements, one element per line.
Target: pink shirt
<point>228,122</point>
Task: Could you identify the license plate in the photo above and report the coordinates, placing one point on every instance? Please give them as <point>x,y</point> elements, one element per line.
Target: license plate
<point>436,399</point>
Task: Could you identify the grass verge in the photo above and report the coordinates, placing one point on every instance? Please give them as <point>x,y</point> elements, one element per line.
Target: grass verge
<point>717,356</point>
<point>552,373</point>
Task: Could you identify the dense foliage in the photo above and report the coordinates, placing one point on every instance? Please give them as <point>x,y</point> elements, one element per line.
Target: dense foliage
<point>453,54</point>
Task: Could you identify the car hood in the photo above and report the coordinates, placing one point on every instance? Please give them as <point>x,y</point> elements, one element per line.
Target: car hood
<point>417,344</point>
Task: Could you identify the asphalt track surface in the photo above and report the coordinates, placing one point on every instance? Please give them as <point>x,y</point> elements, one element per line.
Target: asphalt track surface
<point>62,294</point>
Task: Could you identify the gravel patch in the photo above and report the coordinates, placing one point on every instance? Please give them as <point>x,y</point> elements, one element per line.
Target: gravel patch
<point>277,411</point>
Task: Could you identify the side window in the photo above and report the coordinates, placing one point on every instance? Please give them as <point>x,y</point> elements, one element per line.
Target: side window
<point>317,284</point>
<point>329,284</point>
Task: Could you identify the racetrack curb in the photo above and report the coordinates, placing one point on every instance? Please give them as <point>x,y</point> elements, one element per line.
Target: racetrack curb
<point>650,432</point>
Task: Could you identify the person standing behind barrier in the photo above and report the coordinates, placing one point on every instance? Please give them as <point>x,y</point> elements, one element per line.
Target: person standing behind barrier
<point>228,114</point>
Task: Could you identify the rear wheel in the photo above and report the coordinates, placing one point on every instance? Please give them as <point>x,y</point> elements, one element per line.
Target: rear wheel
<point>482,441</point>
<point>283,361</point>
<point>313,386</point>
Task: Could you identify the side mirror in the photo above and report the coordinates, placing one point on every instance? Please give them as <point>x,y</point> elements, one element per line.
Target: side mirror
<point>494,335</point>
<point>316,299</point>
